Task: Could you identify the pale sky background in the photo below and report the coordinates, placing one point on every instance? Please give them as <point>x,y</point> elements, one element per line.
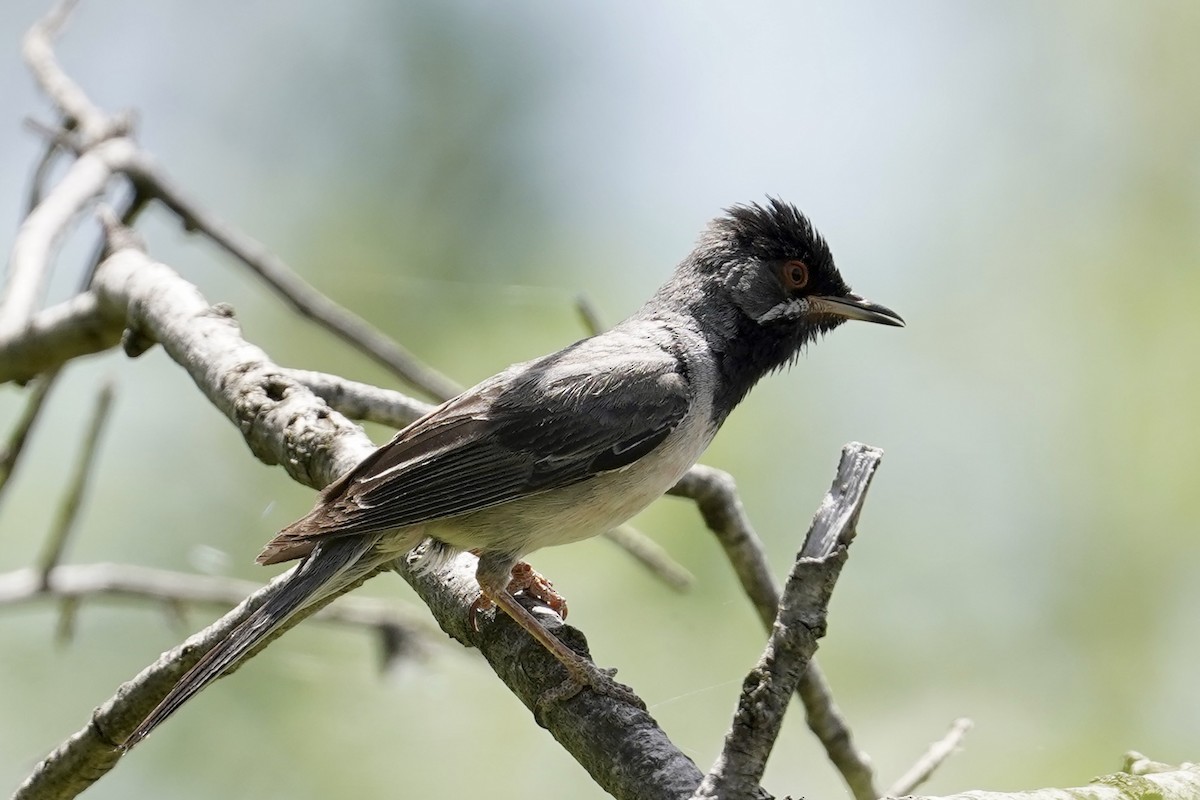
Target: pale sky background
<point>1021,181</point>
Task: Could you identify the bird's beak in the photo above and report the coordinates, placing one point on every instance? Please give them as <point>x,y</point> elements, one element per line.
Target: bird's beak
<point>851,306</point>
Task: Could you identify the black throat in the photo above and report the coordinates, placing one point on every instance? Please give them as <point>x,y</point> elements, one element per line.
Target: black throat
<point>747,353</point>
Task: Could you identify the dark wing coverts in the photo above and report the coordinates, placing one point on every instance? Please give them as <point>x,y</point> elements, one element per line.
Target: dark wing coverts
<point>537,426</point>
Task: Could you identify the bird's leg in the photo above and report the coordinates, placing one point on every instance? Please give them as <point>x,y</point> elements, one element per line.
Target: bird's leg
<point>524,579</point>
<point>496,577</point>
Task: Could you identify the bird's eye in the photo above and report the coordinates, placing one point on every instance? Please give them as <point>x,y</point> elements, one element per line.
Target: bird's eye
<point>795,275</point>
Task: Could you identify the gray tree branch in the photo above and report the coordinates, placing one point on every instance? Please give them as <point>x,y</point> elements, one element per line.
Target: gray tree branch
<point>1140,779</point>
<point>56,545</point>
<point>716,497</point>
<point>42,231</point>
<point>10,455</point>
<point>152,181</point>
<point>799,623</point>
<point>933,758</point>
<point>75,583</point>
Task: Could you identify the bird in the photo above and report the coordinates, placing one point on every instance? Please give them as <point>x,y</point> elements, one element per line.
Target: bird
<point>567,446</point>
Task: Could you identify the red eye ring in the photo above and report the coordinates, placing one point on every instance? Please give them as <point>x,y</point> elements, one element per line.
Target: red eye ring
<point>795,275</point>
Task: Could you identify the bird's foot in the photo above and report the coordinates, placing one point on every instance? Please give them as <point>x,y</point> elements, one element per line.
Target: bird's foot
<point>528,581</point>
<point>581,671</point>
<point>585,674</point>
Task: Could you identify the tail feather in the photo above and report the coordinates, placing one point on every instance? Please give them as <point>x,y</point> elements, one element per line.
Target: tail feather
<point>332,566</point>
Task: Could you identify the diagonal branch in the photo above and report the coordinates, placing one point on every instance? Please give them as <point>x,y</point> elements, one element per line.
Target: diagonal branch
<point>1140,779</point>
<point>11,453</point>
<point>934,757</point>
<point>362,400</point>
<point>79,582</point>
<point>620,746</point>
<point>716,497</point>
<point>69,512</point>
<point>90,128</point>
<point>90,753</point>
<point>797,627</point>
<point>90,123</point>
<point>152,181</point>
<point>42,231</point>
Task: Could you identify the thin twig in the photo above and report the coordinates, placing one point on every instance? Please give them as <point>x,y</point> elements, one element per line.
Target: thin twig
<point>297,293</point>
<point>282,421</point>
<point>589,315</point>
<point>80,582</point>
<point>650,555</point>
<point>362,401</point>
<point>11,453</point>
<point>829,725</point>
<point>934,757</point>
<point>94,126</point>
<point>798,625</point>
<point>133,209</point>
<point>717,499</point>
<point>39,55</point>
<point>69,511</point>
<point>41,172</point>
<point>42,231</point>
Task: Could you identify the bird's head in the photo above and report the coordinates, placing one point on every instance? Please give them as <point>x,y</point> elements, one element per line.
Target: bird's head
<point>771,264</point>
<point>761,284</point>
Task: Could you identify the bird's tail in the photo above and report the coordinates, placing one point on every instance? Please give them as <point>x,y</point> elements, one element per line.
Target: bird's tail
<point>332,566</point>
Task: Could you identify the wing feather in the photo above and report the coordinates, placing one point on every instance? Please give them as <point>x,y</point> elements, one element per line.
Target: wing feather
<point>535,427</point>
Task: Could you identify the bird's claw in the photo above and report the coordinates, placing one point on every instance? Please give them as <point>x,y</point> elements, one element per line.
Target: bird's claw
<point>527,581</point>
<point>586,674</point>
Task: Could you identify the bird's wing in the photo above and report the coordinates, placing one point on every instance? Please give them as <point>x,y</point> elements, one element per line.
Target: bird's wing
<point>538,426</point>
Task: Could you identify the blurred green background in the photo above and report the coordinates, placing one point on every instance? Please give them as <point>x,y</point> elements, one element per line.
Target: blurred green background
<point>1021,181</point>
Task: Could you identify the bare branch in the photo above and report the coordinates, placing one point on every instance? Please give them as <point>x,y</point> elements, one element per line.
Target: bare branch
<point>11,453</point>
<point>934,757</point>
<point>716,497</point>
<point>589,315</point>
<point>829,725</point>
<point>77,327</point>
<point>56,544</point>
<point>43,230</point>
<point>41,173</point>
<point>133,209</point>
<point>620,746</point>
<point>78,582</point>
<point>92,124</point>
<point>798,625</point>
<point>282,421</point>
<point>89,754</point>
<point>1141,780</point>
<point>362,400</point>
<point>650,555</point>
<point>303,298</point>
